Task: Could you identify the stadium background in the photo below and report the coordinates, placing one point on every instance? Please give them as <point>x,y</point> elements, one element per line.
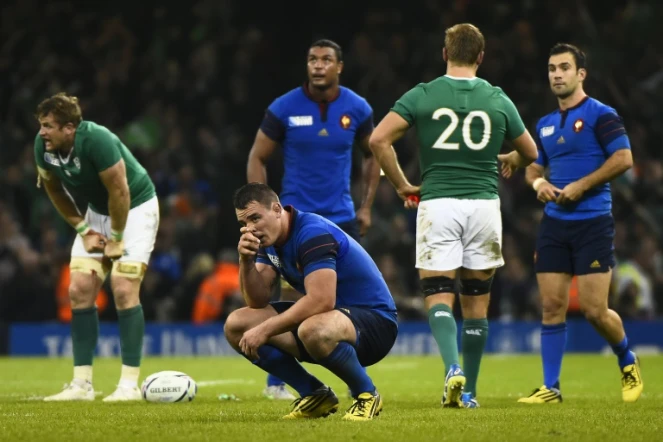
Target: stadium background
<point>185,87</point>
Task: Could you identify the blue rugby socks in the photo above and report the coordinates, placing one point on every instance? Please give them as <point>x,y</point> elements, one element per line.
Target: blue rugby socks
<point>553,342</point>
<point>343,362</point>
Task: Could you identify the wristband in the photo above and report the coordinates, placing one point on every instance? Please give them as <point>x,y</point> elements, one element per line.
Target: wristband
<point>537,183</point>
<point>82,228</point>
<point>116,236</point>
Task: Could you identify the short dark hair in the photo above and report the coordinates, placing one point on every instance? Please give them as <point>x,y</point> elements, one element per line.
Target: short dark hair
<point>258,192</point>
<point>578,55</point>
<point>65,109</point>
<point>324,43</point>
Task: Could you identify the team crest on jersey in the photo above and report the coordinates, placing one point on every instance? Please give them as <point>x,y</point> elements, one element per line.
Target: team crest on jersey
<point>578,125</point>
<point>275,260</point>
<point>50,159</point>
<point>77,163</point>
<point>547,131</point>
<point>345,121</point>
<point>301,120</point>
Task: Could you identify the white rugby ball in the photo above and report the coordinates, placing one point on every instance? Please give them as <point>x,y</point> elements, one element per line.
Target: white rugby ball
<point>169,386</point>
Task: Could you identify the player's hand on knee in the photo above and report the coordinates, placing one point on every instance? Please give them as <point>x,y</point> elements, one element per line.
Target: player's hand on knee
<point>248,244</point>
<point>94,242</point>
<point>547,192</point>
<point>114,249</point>
<point>571,193</point>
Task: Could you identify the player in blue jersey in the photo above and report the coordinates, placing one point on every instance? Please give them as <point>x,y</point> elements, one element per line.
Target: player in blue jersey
<point>584,146</point>
<point>345,321</point>
<point>317,125</point>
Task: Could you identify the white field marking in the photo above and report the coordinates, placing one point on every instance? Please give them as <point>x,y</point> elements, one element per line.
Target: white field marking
<point>225,382</point>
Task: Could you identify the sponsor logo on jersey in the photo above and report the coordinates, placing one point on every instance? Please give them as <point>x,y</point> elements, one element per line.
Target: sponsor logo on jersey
<point>578,125</point>
<point>306,120</point>
<point>275,260</point>
<point>323,133</point>
<point>345,121</point>
<point>50,159</point>
<point>561,140</point>
<point>77,163</point>
<point>547,131</point>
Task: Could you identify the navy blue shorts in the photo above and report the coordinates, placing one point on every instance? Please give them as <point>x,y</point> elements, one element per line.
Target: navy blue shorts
<point>376,334</point>
<point>577,247</point>
<point>351,228</point>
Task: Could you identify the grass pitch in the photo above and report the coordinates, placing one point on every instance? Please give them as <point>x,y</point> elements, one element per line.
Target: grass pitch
<point>411,388</point>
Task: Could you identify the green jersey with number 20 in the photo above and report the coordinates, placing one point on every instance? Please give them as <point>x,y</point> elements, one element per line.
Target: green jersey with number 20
<point>461,125</point>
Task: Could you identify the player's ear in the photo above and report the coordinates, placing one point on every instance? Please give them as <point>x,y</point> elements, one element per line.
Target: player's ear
<point>582,72</point>
<point>339,67</point>
<point>480,58</point>
<point>277,208</point>
<point>69,128</point>
<point>445,57</point>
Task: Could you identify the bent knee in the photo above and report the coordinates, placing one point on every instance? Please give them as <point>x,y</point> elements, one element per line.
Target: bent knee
<point>126,292</point>
<point>312,331</point>
<point>554,305</point>
<point>82,291</point>
<point>238,322</point>
<point>593,313</point>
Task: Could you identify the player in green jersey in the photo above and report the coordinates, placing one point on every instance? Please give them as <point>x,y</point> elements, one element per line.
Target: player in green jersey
<point>116,235</point>
<point>461,123</point>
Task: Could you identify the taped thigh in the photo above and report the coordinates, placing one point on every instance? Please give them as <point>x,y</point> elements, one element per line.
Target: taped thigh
<point>89,265</point>
<point>129,269</point>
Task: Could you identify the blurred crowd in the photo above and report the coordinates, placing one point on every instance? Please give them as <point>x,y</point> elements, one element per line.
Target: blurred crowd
<point>185,87</point>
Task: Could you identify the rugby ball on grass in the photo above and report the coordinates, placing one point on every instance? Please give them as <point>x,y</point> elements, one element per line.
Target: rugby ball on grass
<point>169,386</point>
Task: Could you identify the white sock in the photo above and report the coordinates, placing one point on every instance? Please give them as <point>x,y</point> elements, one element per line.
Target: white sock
<point>129,376</point>
<point>83,374</point>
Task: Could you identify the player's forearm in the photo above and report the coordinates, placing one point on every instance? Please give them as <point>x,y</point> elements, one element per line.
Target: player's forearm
<point>385,154</point>
<point>370,179</point>
<point>303,309</point>
<point>255,291</point>
<point>533,173</point>
<point>64,205</point>
<point>256,170</point>
<point>617,164</point>
<point>520,160</point>
<point>119,202</point>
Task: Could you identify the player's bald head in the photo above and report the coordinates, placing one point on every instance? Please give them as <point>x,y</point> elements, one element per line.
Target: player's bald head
<point>464,43</point>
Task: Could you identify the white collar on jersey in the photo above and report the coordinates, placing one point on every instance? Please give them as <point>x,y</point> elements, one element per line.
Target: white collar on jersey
<point>459,78</point>
<point>65,160</point>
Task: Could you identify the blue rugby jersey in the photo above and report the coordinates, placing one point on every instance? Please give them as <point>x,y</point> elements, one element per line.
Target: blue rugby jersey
<point>317,140</point>
<point>574,143</point>
<point>315,243</point>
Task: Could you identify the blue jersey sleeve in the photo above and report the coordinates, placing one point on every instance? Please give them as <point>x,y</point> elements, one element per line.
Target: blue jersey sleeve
<point>610,133</point>
<point>542,159</point>
<point>273,127</point>
<point>366,126</point>
<point>318,251</point>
